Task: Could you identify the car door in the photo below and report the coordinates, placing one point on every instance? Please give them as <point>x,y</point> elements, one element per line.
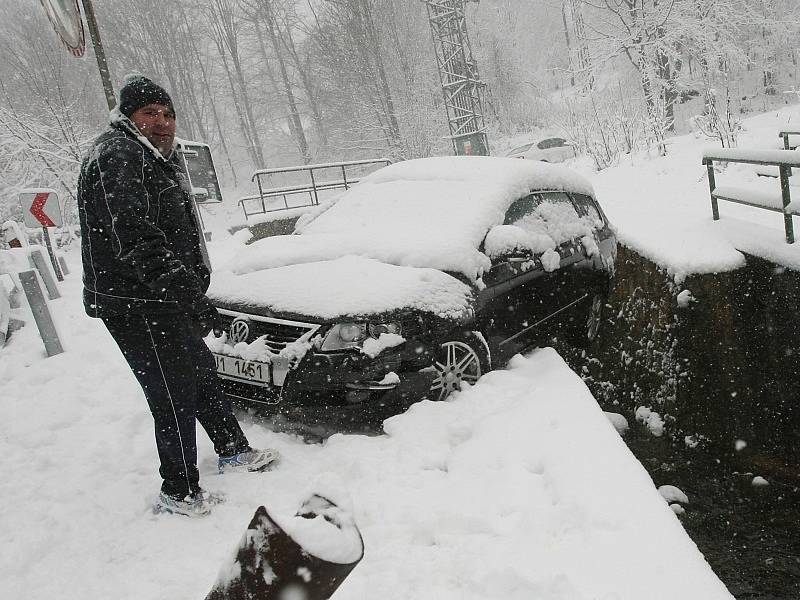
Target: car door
<point>522,297</point>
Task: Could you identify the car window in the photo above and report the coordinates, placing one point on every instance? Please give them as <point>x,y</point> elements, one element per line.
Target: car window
<point>551,143</point>
<point>520,208</point>
<point>551,214</point>
<point>527,206</point>
<point>521,149</point>
<point>587,207</point>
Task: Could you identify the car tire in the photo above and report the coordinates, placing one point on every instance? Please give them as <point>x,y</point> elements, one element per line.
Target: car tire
<point>595,316</point>
<point>586,328</point>
<point>463,357</point>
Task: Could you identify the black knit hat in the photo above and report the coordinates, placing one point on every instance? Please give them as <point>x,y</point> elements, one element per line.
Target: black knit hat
<point>139,91</point>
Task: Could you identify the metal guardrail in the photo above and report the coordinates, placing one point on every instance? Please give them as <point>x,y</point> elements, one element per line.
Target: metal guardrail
<point>261,203</point>
<point>778,202</point>
<point>785,136</point>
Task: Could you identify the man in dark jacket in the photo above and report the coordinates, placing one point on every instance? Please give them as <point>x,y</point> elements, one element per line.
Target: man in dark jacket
<point>144,276</point>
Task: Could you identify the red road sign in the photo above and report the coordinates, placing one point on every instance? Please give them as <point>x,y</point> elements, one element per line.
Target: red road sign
<point>40,208</point>
<point>37,210</point>
<point>65,16</point>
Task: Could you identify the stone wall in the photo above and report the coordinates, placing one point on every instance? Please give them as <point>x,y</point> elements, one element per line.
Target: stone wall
<point>720,368</point>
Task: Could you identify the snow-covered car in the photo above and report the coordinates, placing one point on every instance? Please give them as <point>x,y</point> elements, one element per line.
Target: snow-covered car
<point>552,150</point>
<point>421,277</point>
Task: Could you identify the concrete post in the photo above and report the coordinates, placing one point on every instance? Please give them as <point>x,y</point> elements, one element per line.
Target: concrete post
<point>40,264</point>
<point>5,314</point>
<point>41,312</point>
<point>63,264</point>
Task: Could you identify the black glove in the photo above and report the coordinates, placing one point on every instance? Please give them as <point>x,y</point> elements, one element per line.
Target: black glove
<point>207,317</point>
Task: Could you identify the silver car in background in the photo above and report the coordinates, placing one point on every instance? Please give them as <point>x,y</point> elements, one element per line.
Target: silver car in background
<point>550,150</point>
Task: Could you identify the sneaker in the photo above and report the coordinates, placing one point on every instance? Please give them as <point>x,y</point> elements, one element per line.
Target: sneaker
<point>193,505</point>
<point>248,461</point>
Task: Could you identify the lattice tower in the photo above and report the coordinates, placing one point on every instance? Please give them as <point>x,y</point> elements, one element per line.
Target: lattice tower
<point>458,73</point>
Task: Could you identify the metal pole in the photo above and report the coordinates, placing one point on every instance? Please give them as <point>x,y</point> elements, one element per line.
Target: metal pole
<point>99,53</point>
<point>48,242</point>
<point>712,184</point>
<point>787,200</point>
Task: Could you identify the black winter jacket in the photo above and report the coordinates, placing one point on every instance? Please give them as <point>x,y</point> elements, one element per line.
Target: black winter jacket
<point>139,243</point>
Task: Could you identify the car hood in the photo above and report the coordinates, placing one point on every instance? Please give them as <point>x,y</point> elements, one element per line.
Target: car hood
<point>350,287</point>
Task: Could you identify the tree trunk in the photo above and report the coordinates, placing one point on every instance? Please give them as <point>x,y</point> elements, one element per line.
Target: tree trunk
<point>371,32</point>
<point>569,42</point>
<point>295,123</point>
<point>311,96</point>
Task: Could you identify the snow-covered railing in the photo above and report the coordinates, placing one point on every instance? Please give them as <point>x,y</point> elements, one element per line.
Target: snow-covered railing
<point>270,199</point>
<point>785,136</point>
<point>780,201</point>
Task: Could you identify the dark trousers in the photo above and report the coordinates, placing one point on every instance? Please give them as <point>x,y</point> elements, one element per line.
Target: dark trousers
<point>177,373</point>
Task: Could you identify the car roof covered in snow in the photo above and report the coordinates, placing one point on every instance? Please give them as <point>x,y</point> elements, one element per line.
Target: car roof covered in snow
<point>429,212</point>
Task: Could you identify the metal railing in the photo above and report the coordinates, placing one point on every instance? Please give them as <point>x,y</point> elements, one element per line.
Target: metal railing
<point>306,194</point>
<point>785,136</point>
<point>778,202</point>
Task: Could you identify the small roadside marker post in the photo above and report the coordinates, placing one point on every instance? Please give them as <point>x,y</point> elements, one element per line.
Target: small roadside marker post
<point>38,262</point>
<point>40,208</point>
<point>63,264</point>
<point>41,313</point>
<point>5,313</point>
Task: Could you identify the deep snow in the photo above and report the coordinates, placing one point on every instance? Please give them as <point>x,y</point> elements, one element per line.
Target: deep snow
<point>661,206</point>
<point>518,488</point>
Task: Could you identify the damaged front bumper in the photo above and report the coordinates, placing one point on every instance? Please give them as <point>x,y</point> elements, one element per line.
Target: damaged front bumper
<point>342,381</point>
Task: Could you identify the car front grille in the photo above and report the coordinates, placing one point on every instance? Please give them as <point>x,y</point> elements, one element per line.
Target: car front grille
<point>277,333</point>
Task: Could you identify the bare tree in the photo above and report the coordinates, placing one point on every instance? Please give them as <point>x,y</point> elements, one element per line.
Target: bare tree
<point>226,27</point>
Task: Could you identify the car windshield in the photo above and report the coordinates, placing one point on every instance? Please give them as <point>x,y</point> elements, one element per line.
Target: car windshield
<point>521,149</point>
<point>552,143</point>
<point>552,214</point>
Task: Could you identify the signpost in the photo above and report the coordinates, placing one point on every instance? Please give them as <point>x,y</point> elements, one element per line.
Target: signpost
<point>65,16</point>
<point>40,208</point>
<point>41,313</point>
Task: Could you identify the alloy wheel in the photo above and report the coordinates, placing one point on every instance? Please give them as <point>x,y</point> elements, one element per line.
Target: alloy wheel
<point>456,362</point>
<point>594,318</point>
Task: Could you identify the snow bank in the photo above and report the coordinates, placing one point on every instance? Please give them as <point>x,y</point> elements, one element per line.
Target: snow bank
<point>518,488</point>
<point>661,208</point>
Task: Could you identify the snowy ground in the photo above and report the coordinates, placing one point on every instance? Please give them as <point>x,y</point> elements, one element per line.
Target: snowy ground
<point>518,488</point>
<point>662,209</point>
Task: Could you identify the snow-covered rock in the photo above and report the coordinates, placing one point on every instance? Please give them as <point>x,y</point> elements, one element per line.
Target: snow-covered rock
<point>619,422</point>
<point>650,419</point>
<point>685,298</point>
<point>672,494</point>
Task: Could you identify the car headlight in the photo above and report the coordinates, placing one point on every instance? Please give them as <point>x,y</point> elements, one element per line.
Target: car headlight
<point>376,329</point>
<point>345,335</point>
<point>352,335</point>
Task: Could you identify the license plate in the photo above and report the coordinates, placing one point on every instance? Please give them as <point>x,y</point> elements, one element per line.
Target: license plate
<point>253,372</point>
